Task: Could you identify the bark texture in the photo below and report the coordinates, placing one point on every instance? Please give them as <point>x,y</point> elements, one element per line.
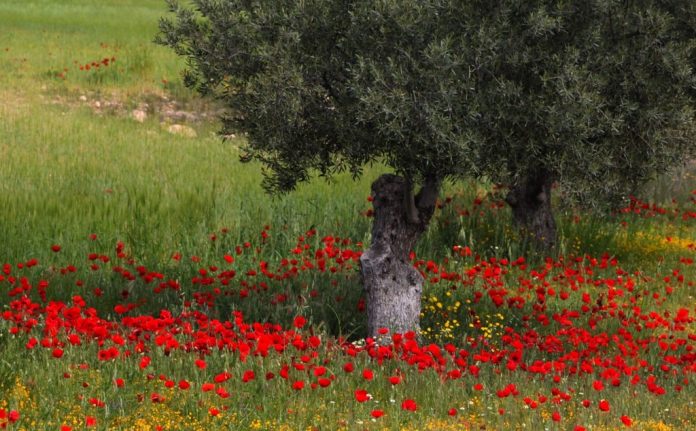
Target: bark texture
<point>530,200</point>
<point>392,285</point>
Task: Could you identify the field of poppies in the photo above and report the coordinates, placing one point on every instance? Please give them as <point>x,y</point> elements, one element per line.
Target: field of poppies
<point>148,283</point>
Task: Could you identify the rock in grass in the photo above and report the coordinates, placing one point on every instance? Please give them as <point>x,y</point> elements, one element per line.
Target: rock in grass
<point>139,115</point>
<point>179,129</point>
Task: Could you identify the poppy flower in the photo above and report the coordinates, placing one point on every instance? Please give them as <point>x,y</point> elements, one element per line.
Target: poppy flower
<point>55,248</point>
<point>144,362</point>
<point>222,393</point>
<point>556,416</point>
<point>222,377</point>
<point>377,413</point>
<point>604,405</point>
<point>57,353</point>
<point>452,412</point>
<point>626,420</point>
<point>367,374</point>
<point>299,322</point>
<point>409,405</point>
<point>598,385</point>
<point>298,385</point>
<point>248,376</point>
<point>361,395</point>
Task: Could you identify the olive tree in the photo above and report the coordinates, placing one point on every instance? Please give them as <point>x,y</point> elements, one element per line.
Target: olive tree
<point>321,87</point>
<point>596,96</point>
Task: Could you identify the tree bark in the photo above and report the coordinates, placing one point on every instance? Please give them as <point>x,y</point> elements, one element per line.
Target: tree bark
<point>392,285</point>
<point>530,200</point>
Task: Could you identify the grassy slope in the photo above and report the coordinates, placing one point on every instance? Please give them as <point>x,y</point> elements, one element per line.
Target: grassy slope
<point>69,172</point>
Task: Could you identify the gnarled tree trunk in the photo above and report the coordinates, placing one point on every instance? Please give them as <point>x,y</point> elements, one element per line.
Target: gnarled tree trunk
<point>530,200</point>
<point>392,285</point>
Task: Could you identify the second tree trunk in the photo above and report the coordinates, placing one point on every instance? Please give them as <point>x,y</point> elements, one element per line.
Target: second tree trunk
<point>530,201</point>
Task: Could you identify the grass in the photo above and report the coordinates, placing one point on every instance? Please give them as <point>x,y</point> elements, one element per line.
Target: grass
<point>150,226</point>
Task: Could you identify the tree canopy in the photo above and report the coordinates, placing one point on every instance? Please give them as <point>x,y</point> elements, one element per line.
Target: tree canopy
<point>331,86</point>
<point>598,93</point>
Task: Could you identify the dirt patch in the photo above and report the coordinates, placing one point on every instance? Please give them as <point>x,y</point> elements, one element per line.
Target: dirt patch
<point>141,108</point>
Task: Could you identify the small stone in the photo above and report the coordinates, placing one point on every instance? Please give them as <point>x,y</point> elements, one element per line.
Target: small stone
<point>179,129</point>
<point>139,115</point>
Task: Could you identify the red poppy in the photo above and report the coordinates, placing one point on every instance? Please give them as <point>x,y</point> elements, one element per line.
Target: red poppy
<point>598,385</point>
<point>298,385</point>
<point>367,374</point>
<point>57,353</point>
<point>55,248</point>
<point>361,395</point>
<point>626,420</point>
<point>409,405</point>
<point>556,416</point>
<point>452,412</point>
<point>299,322</point>
<point>604,405</point>
<point>248,376</point>
<point>377,413</point>
<point>144,362</point>
<point>13,416</point>
<point>222,377</point>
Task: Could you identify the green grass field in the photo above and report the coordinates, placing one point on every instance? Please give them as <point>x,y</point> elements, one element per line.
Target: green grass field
<point>117,234</point>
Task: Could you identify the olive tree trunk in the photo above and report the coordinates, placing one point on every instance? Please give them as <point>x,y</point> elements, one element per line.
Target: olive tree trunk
<point>392,285</point>
<point>530,200</point>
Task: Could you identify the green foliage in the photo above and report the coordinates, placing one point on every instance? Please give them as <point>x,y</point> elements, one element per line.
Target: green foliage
<point>600,94</point>
<point>332,86</point>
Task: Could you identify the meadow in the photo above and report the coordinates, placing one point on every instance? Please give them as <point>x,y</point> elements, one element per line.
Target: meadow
<point>148,283</point>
